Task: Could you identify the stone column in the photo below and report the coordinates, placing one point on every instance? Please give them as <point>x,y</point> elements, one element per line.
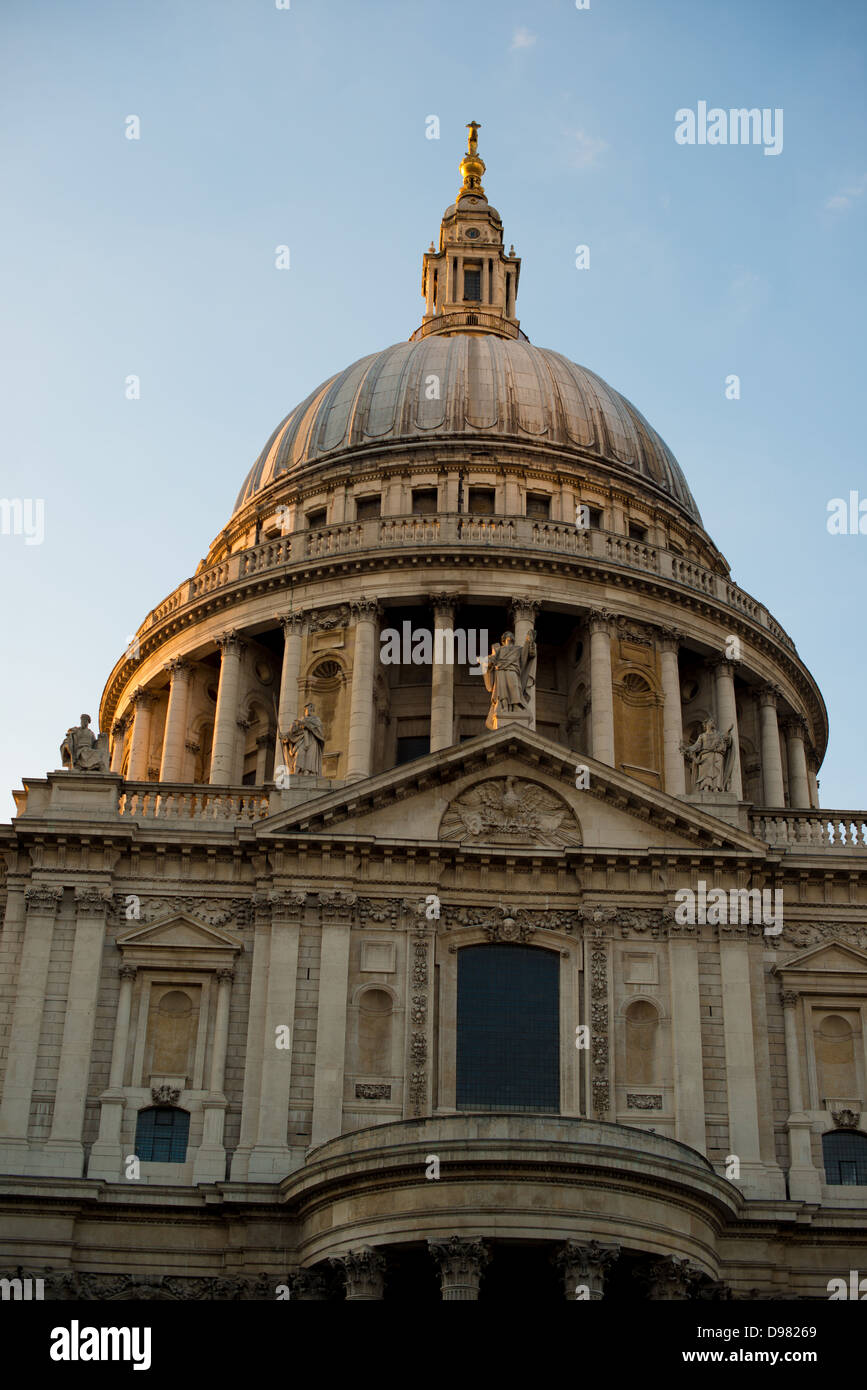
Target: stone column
<point>271,1158</point>
<point>686,1039</point>
<point>799,787</point>
<point>106,1155</point>
<point>363,1273</point>
<point>361,710</point>
<point>118,730</point>
<point>337,911</point>
<point>460,1264</point>
<point>41,905</point>
<point>255,1047</point>
<point>524,611</point>
<point>585,1268</point>
<point>772,761</point>
<point>287,709</point>
<point>176,721</point>
<point>243,726</point>
<point>143,703</point>
<point>226,719</point>
<point>210,1165</point>
<point>727,716</point>
<point>601,694</point>
<point>672,718</point>
<point>740,1058</point>
<point>64,1152</point>
<point>805,1183</point>
<point>442,700</point>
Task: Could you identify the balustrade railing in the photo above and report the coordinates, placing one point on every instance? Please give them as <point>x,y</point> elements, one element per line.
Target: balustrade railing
<point>828,829</point>
<point>466,530</point>
<point>178,801</point>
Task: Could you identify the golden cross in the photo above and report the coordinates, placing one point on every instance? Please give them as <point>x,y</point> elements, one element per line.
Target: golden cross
<point>473,139</point>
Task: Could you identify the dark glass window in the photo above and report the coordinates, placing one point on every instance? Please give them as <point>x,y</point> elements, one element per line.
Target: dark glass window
<point>473,285</point>
<point>482,501</point>
<point>636,532</point>
<point>368,508</point>
<point>508,1051</point>
<point>161,1135</point>
<point>538,506</point>
<point>317,518</point>
<point>845,1154</point>
<point>424,501</point>
<point>412,747</point>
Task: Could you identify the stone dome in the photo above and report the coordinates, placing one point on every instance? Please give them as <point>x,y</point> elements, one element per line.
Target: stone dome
<point>470,387</point>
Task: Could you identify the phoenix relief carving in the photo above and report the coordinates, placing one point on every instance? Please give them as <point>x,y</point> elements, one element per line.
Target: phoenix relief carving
<point>506,810</point>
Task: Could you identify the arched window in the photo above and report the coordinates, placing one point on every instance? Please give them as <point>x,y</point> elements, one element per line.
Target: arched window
<point>844,1152</point>
<point>161,1134</point>
<point>508,1044</point>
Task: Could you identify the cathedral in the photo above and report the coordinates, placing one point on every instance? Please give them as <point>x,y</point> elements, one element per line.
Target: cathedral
<point>444,910</point>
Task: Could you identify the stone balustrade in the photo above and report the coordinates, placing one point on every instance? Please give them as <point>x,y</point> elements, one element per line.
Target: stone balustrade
<point>470,531</point>
<point>179,801</point>
<point>826,829</point>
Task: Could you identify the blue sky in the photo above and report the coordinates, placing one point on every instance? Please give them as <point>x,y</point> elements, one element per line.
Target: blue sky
<point>306,127</point>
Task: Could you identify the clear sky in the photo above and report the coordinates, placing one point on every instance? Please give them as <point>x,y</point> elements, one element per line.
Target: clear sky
<point>306,127</point>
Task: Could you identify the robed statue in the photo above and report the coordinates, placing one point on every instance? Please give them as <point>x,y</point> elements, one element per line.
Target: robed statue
<point>712,757</point>
<point>303,744</point>
<point>84,751</point>
<point>510,674</point>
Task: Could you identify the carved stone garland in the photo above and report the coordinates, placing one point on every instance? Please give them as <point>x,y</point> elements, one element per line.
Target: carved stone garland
<point>599,1024</point>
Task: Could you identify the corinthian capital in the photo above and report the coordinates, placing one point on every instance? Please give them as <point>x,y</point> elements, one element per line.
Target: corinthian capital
<point>364,609</point>
<point>524,609</point>
<point>293,623</point>
<point>231,644</point>
<point>600,620</point>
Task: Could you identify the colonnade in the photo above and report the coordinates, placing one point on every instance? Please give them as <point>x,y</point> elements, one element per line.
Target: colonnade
<point>365,614</point>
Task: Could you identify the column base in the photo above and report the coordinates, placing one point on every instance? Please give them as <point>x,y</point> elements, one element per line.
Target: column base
<point>15,1157</point>
<point>106,1162</point>
<point>210,1163</point>
<point>805,1181</point>
<point>59,1158</point>
<point>758,1180</point>
<point>269,1163</point>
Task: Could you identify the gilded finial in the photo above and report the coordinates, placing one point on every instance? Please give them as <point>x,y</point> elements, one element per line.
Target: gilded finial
<point>472,165</point>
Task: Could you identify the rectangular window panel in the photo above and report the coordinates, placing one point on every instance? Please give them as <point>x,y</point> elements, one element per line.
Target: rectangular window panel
<point>508,1045</point>
<point>473,285</point>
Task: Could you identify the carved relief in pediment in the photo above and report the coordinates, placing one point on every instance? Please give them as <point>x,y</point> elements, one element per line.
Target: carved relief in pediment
<point>510,811</point>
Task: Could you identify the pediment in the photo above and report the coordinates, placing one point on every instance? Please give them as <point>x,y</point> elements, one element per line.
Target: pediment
<point>509,787</point>
<point>828,957</point>
<point>179,931</point>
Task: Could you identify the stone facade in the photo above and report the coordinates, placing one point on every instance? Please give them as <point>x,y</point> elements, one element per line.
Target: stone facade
<point>269,964</point>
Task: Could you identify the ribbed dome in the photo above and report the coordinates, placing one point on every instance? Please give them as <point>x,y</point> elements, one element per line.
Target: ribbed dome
<point>488,387</point>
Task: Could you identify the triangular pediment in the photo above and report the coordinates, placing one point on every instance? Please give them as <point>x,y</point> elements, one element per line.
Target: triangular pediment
<point>514,788</point>
<point>179,931</point>
<point>837,957</point>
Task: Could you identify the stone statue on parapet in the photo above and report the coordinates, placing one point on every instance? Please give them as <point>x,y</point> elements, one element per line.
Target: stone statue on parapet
<point>84,751</point>
<point>510,674</point>
<point>304,742</point>
<point>712,757</point>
